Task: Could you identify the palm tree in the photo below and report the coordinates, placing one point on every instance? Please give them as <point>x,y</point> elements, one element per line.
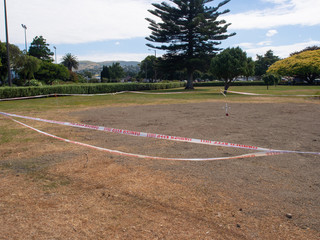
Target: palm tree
<point>70,61</point>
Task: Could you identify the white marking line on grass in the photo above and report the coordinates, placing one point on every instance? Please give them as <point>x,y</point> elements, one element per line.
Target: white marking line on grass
<point>87,95</point>
<point>274,95</point>
<point>160,136</point>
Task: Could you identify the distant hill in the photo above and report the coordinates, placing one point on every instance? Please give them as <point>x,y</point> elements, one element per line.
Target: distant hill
<point>97,66</point>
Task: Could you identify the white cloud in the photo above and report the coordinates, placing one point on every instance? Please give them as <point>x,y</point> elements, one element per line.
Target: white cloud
<point>264,43</point>
<point>77,21</point>
<point>282,51</point>
<point>277,1</point>
<point>112,57</point>
<point>246,45</point>
<point>271,33</point>
<point>284,13</point>
<point>83,21</point>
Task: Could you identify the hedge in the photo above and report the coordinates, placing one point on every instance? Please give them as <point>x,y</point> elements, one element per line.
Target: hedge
<point>13,92</point>
<point>236,83</point>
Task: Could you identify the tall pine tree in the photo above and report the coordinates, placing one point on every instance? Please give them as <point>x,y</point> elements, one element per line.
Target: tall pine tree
<point>189,32</point>
<point>105,74</point>
<point>39,49</point>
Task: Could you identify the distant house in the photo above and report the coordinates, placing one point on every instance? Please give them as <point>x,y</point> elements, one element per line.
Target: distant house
<point>244,79</point>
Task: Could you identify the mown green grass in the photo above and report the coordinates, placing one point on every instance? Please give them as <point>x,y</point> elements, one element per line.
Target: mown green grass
<point>197,95</point>
<point>280,90</point>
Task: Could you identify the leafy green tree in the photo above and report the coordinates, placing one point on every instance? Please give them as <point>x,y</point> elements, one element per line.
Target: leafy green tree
<point>148,67</point>
<point>250,70</point>
<point>116,72</point>
<point>15,55</point>
<point>305,65</point>
<point>105,74</point>
<point>70,61</point>
<point>83,78</point>
<point>230,64</point>
<point>131,71</point>
<point>311,48</point>
<point>27,66</point>
<point>189,32</point>
<point>49,72</point>
<point>87,74</point>
<point>264,62</point>
<point>271,79</point>
<point>4,61</point>
<point>39,49</point>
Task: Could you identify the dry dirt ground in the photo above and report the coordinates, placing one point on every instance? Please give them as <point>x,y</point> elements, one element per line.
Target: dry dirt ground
<point>55,190</point>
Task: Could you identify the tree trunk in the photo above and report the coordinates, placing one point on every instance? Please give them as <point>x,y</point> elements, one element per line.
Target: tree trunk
<point>189,85</point>
<point>226,86</point>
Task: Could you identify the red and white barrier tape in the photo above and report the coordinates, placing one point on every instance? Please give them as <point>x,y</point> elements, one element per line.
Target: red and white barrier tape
<point>250,155</point>
<point>142,134</point>
<point>262,151</point>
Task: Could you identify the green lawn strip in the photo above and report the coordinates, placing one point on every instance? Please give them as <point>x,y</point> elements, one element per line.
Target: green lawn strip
<point>280,90</point>
<point>53,103</point>
<point>197,95</point>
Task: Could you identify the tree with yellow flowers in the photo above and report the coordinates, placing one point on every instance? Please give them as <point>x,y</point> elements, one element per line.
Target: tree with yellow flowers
<point>305,65</point>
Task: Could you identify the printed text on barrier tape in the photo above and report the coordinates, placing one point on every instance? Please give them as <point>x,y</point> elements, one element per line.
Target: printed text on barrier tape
<point>158,136</point>
<point>142,134</point>
<point>250,155</point>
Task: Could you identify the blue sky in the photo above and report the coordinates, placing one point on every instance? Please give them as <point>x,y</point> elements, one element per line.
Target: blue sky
<point>104,30</point>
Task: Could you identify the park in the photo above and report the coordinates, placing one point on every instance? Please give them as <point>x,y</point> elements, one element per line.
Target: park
<point>196,141</point>
<point>58,189</point>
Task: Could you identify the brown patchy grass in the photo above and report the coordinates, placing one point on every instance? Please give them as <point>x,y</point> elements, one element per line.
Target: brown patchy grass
<point>54,190</point>
<point>105,200</point>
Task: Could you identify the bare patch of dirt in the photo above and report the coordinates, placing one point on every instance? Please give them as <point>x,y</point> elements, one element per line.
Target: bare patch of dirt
<point>56,190</point>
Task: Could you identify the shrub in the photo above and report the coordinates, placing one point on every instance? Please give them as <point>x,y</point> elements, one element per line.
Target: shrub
<point>49,72</point>
<point>7,92</point>
<point>33,82</point>
<point>73,77</point>
<point>57,82</point>
<point>271,79</point>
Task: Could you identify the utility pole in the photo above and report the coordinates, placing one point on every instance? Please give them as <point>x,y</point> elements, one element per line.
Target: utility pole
<point>55,53</point>
<point>7,38</point>
<point>25,36</point>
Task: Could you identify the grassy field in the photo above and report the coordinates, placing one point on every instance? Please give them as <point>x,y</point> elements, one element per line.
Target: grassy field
<point>203,94</point>
<point>198,95</point>
<point>53,190</point>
